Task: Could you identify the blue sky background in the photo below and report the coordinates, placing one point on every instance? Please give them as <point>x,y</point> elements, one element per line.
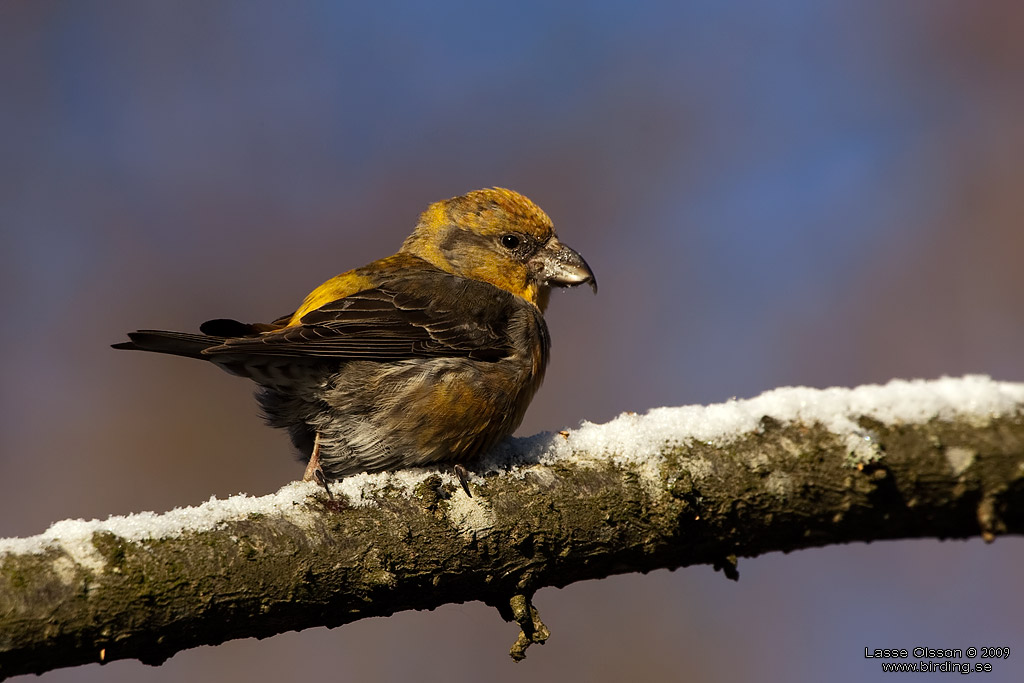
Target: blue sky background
<point>812,193</point>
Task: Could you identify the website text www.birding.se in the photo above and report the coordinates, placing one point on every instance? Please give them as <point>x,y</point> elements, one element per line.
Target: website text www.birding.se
<point>938,660</point>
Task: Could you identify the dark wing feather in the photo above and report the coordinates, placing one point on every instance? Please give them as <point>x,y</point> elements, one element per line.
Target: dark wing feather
<point>465,319</point>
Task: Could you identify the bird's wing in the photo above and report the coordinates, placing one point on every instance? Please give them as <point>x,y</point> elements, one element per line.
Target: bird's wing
<point>387,325</point>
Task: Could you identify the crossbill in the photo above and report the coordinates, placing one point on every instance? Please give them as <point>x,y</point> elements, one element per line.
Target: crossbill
<point>430,355</point>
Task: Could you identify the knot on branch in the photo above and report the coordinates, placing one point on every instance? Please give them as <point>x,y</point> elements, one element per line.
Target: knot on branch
<point>729,566</point>
<point>531,628</point>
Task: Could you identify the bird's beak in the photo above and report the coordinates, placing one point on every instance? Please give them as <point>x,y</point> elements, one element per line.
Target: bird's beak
<point>559,266</point>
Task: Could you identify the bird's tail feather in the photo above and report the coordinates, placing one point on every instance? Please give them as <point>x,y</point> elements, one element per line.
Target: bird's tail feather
<point>174,343</point>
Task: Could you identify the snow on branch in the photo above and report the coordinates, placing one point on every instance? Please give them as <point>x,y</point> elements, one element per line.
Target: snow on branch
<point>792,468</point>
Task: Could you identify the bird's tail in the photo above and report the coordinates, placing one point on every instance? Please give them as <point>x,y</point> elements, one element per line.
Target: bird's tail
<point>174,343</point>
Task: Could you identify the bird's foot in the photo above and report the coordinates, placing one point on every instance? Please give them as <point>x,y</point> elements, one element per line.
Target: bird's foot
<point>314,472</point>
<point>463,474</point>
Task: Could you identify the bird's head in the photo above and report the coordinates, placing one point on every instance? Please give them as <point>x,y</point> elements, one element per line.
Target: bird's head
<point>501,237</point>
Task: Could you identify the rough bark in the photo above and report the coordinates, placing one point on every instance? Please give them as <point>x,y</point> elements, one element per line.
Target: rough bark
<point>783,487</point>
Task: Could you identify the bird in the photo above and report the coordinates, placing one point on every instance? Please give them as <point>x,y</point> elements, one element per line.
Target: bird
<point>428,356</point>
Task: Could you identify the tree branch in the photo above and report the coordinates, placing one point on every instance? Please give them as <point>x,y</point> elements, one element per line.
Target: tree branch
<point>793,468</point>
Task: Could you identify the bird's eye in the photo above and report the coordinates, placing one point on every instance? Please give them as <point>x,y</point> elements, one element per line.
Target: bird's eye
<point>510,241</point>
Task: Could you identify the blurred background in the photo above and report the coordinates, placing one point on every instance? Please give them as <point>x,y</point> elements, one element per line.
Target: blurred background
<point>813,193</point>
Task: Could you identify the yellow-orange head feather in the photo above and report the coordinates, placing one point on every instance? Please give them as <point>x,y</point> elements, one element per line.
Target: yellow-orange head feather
<point>498,236</point>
